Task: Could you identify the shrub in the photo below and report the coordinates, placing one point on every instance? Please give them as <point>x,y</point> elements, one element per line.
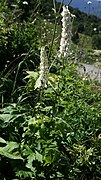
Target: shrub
<point>96,41</point>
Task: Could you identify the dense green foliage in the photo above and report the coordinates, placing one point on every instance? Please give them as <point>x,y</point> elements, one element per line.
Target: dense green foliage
<point>58,137</point>
<point>96,41</point>
<point>52,132</point>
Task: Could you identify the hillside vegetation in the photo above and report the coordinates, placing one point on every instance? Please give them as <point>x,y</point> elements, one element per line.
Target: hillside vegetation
<point>50,115</point>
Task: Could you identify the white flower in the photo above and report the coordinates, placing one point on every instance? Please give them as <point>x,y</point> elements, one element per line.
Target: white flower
<point>43,74</point>
<point>95,29</point>
<point>73,15</point>
<point>25,2</point>
<point>65,42</point>
<point>99,136</point>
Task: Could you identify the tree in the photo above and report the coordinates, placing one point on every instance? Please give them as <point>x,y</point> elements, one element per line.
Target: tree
<point>96,41</point>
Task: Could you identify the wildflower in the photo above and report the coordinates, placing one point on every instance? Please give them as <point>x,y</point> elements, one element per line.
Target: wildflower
<point>99,136</point>
<point>65,42</point>
<point>95,29</point>
<point>25,3</point>
<point>43,74</point>
<point>81,52</point>
<point>73,15</point>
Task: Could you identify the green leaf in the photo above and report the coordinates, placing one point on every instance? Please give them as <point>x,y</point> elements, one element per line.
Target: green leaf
<point>31,74</point>
<point>48,159</point>
<point>29,164</point>
<point>38,83</point>
<point>53,78</point>
<point>11,151</point>
<point>41,175</point>
<point>47,108</point>
<point>24,174</point>
<point>2,141</point>
<point>6,117</point>
<point>9,117</point>
<point>38,156</point>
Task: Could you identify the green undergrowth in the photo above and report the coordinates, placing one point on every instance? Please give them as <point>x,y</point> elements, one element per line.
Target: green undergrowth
<point>55,137</point>
<point>85,41</point>
<point>52,132</point>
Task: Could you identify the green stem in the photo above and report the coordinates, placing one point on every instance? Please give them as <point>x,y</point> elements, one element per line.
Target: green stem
<point>49,54</point>
<point>70,2</point>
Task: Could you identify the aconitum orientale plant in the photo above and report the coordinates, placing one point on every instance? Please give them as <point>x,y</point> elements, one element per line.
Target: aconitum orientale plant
<point>66,35</point>
<point>43,73</point>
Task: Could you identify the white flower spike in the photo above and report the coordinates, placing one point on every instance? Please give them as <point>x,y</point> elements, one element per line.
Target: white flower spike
<point>43,74</point>
<point>66,35</point>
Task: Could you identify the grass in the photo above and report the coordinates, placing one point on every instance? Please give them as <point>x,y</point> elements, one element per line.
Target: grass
<point>85,42</point>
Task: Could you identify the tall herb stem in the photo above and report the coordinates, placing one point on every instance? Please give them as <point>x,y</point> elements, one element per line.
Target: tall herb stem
<point>55,24</point>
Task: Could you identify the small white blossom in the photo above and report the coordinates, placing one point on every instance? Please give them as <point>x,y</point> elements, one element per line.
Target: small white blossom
<point>95,29</point>
<point>65,42</point>
<point>73,15</point>
<point>25,2</point>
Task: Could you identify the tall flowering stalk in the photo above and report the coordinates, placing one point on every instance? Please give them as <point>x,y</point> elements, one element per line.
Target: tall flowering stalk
<point>66,35</point>
<point>43,73</point>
